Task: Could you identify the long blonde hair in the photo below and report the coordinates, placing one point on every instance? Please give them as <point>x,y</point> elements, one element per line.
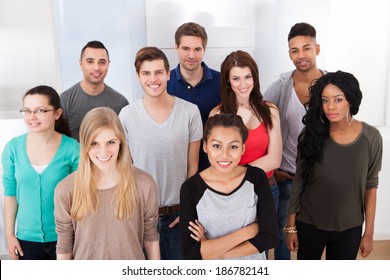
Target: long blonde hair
<point>86,196</point>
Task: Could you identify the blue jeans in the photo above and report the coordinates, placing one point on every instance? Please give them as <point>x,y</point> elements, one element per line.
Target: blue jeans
<point>38,250</point>
<point>281,251</point>
<point>275,195</point>
<point>169,238</point>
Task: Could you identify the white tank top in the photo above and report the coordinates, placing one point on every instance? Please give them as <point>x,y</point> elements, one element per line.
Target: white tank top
<point>294,114</point>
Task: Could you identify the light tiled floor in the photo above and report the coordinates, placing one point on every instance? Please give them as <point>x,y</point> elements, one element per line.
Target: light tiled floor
<point>5,257</point>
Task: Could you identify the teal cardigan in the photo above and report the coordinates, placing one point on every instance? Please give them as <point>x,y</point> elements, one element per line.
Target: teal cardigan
<point>35,192</point>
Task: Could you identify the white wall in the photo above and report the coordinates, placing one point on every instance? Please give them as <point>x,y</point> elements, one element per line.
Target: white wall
<point>28,55</point>
<point>120,25</point>
<point>27,58</point>
<point>41,42</point>
<point>229,26</point>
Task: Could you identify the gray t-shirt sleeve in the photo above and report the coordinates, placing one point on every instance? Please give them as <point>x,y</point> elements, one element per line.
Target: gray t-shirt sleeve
<point>375,161</point>
<point>196,126</point>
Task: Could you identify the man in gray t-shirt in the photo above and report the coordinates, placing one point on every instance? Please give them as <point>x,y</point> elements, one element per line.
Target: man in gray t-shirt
<point>91,92</point>
<point>163,133</point>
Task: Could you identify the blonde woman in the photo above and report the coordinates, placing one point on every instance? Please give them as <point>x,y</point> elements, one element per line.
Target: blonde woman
<point>107,209</point>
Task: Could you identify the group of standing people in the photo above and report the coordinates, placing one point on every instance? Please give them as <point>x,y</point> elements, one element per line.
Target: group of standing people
<point>203,166</point>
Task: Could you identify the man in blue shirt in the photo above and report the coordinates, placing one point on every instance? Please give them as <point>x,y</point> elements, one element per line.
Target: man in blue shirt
<point>192,80</point>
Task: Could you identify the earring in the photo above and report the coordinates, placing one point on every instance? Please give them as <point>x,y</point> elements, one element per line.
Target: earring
<point>349,123</point>
<point>322,120</point>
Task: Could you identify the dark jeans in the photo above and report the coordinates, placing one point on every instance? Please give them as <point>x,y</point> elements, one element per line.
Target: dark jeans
<point>340,245</point>
<point>169,238</point>
<point>275,195</point>
<point>38,250</point>
<point>281,251</point>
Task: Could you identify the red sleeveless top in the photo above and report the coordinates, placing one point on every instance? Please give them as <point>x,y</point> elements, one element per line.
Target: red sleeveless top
<point>256,146</point>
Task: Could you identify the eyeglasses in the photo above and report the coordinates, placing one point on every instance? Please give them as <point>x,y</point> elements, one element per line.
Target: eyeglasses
<point>27,112</point>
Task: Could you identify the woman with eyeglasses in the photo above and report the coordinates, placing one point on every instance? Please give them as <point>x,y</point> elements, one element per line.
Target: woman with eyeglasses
<point>33,164</point>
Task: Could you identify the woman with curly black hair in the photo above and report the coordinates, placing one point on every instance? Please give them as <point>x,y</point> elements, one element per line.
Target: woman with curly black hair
<point>334,190</point>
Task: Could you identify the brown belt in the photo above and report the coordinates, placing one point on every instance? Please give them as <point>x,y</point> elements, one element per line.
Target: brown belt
<point>167,210</point>
<point>272,180</point>
<point>289,173</point>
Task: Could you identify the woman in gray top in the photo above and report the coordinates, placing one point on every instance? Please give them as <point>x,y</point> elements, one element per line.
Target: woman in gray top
<point>338,162</point>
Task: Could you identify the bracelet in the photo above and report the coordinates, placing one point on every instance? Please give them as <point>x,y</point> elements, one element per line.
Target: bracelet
<point>290,229</point>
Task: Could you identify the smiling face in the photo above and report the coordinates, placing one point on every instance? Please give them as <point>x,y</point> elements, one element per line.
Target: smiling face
<point>94,64</point>
<point>303,52</point>
<point>335,105</point>
<point>224,148</point>
<point>241,81</point>
<point>104,150</point>
<point>42,116</point>
<point>153,78</point>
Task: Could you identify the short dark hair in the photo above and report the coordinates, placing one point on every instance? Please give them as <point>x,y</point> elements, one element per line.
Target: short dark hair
<point>94,45</point>
<point>225,120</point>
<point>191,29</point>
<point>302,29</point>
<point>150,54</point>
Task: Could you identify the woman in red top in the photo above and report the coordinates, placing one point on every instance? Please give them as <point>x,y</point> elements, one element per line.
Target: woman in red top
<point>240,94</point>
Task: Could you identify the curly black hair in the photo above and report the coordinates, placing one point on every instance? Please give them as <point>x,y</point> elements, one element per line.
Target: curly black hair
<point>316,132</point>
